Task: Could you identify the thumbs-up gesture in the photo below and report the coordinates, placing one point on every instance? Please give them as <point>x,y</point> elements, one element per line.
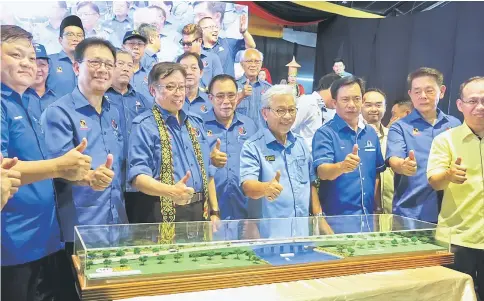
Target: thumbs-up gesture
<point>457,173</point>
<point>352,160</point>
<point>217,157</point>
<point>181,193</point>
<point>102,176</point>
<point>409,165</point>
<point>10,179</point>
<point>247,89</point>
<point>74,165</point>
<point>273,188</point>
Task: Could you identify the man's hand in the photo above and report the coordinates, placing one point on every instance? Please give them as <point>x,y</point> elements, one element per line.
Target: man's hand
<point>181,194</point>
<point>457,173</point>
<point>273,189</point>
<point>74,166</point>
<point>215,223</point>
<point>102,177</point>
<point>243,24</point>
<point>10,180</point>
<point>247,89</point>
<point>217,157</point>
<point>409,165</point>
<point>351,161</point>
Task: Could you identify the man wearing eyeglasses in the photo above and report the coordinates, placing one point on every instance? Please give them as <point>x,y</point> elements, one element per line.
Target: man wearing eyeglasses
<point>192,42</point>
<point>275,165</point>
<point>135,43</point>
<point>225,48</point>
<point>61,73</point>
<point>228,131</point>
<point>347,155</point>
<point>250,88</point>
<point>409,142</point>
<point>456,165</point>
<point>196,100</point>
<point>87,114</point>
<point>169,155</point>
<point>153,45</point>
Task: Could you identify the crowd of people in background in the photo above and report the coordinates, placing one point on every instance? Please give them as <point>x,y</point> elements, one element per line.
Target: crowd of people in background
<point>96,135</point>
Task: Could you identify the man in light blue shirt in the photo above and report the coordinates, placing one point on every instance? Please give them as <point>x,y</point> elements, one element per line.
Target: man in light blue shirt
<point>135,43</point>
<point>339,67</point>
<point>409,142</point>
<point>120,23</point>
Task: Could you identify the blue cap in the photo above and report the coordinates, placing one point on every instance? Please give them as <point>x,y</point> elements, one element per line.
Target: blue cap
<point>40,51</point>
<point>134,34</point>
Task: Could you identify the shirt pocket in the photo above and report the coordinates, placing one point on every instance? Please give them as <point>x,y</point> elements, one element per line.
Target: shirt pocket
<point>299,170</point>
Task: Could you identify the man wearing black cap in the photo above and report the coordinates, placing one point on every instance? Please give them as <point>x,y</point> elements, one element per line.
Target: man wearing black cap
<point>40,95</point>
<point>61,74</point>
<point>135,43</point>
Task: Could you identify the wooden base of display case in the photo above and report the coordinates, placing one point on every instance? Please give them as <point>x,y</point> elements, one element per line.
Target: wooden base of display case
<point>211,280</point>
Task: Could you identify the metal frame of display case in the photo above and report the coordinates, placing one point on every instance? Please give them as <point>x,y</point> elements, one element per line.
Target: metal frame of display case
<point>210,279</point>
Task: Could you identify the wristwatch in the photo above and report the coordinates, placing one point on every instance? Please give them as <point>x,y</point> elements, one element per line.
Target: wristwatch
<point>215,212</point>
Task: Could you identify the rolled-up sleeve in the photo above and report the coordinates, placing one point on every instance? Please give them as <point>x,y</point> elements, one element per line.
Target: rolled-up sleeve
<point>440,157</point>
<point>249,163</point>
<point>323,147</point>
<point>140,152</point>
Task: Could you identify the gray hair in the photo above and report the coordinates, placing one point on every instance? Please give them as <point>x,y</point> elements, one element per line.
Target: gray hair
<point>148,31</point>
<point>251,49</point>
<point>276,90</point>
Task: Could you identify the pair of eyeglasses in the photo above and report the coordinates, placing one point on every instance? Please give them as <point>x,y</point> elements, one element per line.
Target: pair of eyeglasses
<point>133,44</point>
<point>71,35</point>
<point>172,87</point>
<point>212,27</point>
<point>121,64</point>
<point>253,62</point>
<point>473,101</point>
<point>96,64</point>
<point>220,97</point>
<point>188,44</point>
<point>280,112</point>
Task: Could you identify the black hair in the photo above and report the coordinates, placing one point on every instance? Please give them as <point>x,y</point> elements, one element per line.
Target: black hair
<point>470,80</point>
<point>337,60</point>
<point>164,69</point>
<point>425,71</point>
<point>346,81</point>
<point>221,78</point>
<point>192,54</point>
<point>377,91</point>
<point>326,81</point>
<point>11,33</point>
<point>90,42</point>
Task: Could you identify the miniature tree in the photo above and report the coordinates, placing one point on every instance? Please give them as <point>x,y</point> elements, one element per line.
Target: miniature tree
<point>89,263</point>
<point>424,239</point>
<point>340,248</point>
<point>120,253</point>
<point>177,257</point>
<point>224,255</point>
<point>394,242</point>
<point>123,262</point>
<point>210,255</point>
<point>414,239</point>
<point>143,259</point>
<point>106,254</point>
<point>155,250</point>
<point>92,255</point>
<point>382,242</point>
<point>107,262</point>
<point>360,245</point>
<point>137,251</point>
<point>405,240</point>
<point>237,252</point>
<point>371,244</point>
<point>194,256</point>
<point>160,259</point>
<point>349,236</point>
<point>351,251</point>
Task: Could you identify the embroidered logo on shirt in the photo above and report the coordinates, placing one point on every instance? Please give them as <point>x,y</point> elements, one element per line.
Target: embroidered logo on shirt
<point>415,132</point>
<point>369,144</point>
<point>209,133</point>
<point>114,124</point>
<point>242,131</point>
<point>270,158</point>
<point>59,69</point>
<point>203,108</point>
<point>205,64</point>
<point>196,132</point>
<point>83,124</point>
<point>221,49</point>
<point>18,117</point>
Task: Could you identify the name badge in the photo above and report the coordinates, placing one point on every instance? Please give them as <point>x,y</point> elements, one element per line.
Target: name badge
<point>270,158</point>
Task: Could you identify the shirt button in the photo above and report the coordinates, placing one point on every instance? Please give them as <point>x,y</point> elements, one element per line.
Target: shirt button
<point>363,178</point>
<point>104,133</point>
<point>191,165</point>
<point>361,163</point>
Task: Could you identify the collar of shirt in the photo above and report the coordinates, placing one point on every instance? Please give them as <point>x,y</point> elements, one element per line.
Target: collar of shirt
<point>341,124</point>
<point>130,91</point>
<point>7,92</point>
<point>127,20</point>
<point>414,115</point>
<point>63,55</point>
<point>464,132</point>
<point>150,53</point>
<point>81,101</point>
<point>167,115</point>
<point>141,68</point>
<point>319,100</point>
<point>269,138</point>
<point>214,45</point>
<point>48,90</point>
<point>210,117</point>
<point>243,79</point>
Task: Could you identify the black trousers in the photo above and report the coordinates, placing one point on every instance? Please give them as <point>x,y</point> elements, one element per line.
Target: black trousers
<point>45,279</point>
<point>143,208</point>
<point>470,261</point>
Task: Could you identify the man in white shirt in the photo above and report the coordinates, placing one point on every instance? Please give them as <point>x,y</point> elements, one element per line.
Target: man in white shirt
<point>314,110</point>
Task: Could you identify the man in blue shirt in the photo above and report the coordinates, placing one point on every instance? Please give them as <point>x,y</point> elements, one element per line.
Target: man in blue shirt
<point>339,67</point>
<point>153,45</point>
<point>169,155</point>
<point>250,88</point>
<point>225,48</point>
<point>135,43</point>
<point>130,104</point>
<point>40,95</point>
<point>409,142</point>
<point>120,23</point>
<point>192,42</point>
<point>61,73</point>
<point>31,238</point>
<point>196,100</point>
<point>347,155</point>
<point>85,113</point>
<point>228,131</point>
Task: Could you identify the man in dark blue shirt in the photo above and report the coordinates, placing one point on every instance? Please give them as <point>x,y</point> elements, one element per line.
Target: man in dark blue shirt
<point>31,237</point>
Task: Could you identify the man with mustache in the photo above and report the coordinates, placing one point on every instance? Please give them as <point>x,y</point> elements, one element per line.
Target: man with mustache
<point>225,48</point>
<point>409,142</point>
<point>61,73</point>
<point>87,114</point>
<point>196,100</point>
<point>31,238</point>
<point>135,43</point>
<point>347,155</point>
